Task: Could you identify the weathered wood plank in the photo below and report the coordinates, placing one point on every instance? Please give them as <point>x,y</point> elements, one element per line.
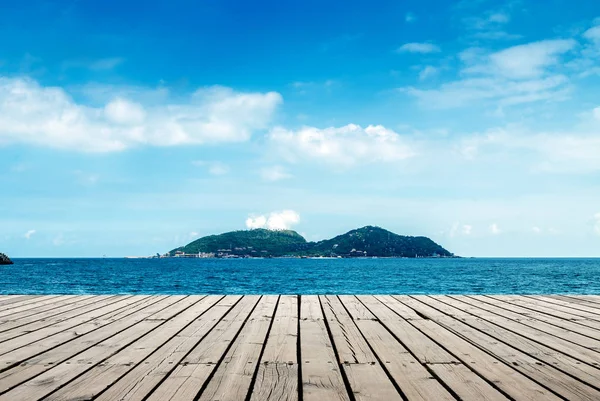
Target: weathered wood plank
<point>46,383</point>
<point>102,376</point>
<point>27,363</point>
<point>138,383</point>
<point>366,377</point>
<point>523,361</point>
<point>321,374</point>
<point>16,328</point>
<point>191,375</point>
<point>277,377</point>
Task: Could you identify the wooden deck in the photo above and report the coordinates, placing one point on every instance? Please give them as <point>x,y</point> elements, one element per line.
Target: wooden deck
<point>316,348</point>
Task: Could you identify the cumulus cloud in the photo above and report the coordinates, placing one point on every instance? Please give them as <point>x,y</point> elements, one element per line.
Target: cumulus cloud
<point>29,233</point>
<point>344,146</point>
<point>282,220</point>
<point>274,173</point>
<point>418,47</point>
<point>48,116</point>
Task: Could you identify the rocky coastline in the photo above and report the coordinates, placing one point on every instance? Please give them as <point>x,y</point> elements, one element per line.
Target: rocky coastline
<point>5,260</point>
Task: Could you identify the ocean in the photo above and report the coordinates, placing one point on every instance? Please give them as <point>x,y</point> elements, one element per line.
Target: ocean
<point>301,276</point>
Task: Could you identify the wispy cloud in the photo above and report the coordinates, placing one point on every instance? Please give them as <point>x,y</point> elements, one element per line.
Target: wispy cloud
<point>418,47</point>
<point>494,229</point>
<point>213,167</point>
<point>427,72</point>
<point>515,75</point>
<point>410,17</point>
<point>274,173</point>
<point>103,64</point>
<point>29,233</point>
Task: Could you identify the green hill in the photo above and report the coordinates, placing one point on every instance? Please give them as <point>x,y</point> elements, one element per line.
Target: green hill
<point>368,241</point>
<point>375,241</point>
<point>257,243</point>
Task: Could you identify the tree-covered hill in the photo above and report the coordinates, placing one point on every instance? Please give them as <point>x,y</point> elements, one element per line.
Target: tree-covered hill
<point>257,243</point>
<point>375,241</point>
<point>368,241</point>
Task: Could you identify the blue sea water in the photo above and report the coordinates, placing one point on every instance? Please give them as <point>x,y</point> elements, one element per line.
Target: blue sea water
<point>301,276</point>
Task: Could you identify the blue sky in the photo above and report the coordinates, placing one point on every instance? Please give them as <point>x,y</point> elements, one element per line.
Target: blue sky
<point>130,128</point>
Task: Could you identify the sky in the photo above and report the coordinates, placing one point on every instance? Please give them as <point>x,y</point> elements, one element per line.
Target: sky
<point>130,128</point>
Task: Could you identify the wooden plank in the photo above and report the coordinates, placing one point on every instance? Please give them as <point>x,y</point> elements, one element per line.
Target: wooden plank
<point>414,380</point>
<point>94,381</point>
<point>527,313</point>
<point>576,300</point>
<point>535,321</point>
<point>26,305</point>
<point>557,344</point>
<point>277,377</point>
<point>547,310</point>
<point>40,312</point>
<point>30,324</point>
<point>11,299</point>
<point>233,377</point>
<point>509,349</point>
<point>593,312</point>
<point>366,377</point>
<point>23,370</point>
<point>351,347</point>
<point>552,309</point>
<point>138,383</point>
<point>46,383</point>
<point>64,329</point>
<point>425,350</point>
<point>321,375</point>
<point>355,308</point>
<point>465,383</point>
<point>505,378</point>
<point>190,376</point>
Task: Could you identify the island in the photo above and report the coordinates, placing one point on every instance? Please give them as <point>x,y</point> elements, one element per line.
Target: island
<point>4,260</point>
<point>369,241</point>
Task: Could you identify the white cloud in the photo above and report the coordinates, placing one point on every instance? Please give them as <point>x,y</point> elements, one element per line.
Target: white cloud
<point>282,220</point>
<point>494,229</point>
<point>536,230</point>
<point>274,173</point>
<point>193,234</point>
<point>428,72</point>
<point>214,168</point>
<point>48,116</point>
<point>29,233</point>
<point>123,112</point>
<point>416,47</point>
<point>597,223</point>
<point>502,91</point>
<point>103,64</point>
<point>526,61</point>
<point>593,34</point>
<point>344,146</point>
<point>410,17</point>
<point>458,229</point>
